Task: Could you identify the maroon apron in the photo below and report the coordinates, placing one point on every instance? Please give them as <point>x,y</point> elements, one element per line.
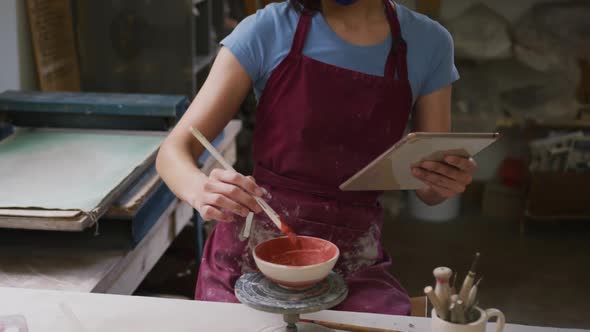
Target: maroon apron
<point>318,124</point>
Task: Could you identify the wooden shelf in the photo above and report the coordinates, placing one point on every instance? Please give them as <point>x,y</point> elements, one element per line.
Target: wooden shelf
<point>192,37</point>
<point>556,124</point>
<point>201,62</point>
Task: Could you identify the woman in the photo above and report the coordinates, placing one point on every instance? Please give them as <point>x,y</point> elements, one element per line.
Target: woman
<point>336,82</point>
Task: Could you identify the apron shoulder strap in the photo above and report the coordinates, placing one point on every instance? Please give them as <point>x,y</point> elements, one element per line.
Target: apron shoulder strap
<point>396,60</point>
<point>301,32</point>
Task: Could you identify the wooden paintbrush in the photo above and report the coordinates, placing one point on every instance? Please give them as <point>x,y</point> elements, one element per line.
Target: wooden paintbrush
<point>274,217</point>
<point>346,327</point>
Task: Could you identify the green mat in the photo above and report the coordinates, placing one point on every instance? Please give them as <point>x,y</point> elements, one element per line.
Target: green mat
<point>67,169</point>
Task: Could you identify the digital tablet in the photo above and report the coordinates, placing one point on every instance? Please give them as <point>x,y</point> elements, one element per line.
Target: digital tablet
<point>392,169</point>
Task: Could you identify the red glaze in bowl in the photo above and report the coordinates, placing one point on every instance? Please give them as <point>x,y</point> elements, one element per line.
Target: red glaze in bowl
<point>296,267</point>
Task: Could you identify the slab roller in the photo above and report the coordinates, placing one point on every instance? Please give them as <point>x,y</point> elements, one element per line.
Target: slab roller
<point>258,292</point>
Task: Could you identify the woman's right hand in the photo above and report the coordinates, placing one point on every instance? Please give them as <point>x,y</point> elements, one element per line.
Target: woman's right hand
<point>226,191</point>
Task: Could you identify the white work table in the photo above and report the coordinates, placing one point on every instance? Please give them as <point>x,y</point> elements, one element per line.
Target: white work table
<point>48,311</point>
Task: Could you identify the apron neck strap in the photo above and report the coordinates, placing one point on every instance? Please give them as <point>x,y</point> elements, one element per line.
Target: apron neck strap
<point>301,32</point>
<point>396,60</point>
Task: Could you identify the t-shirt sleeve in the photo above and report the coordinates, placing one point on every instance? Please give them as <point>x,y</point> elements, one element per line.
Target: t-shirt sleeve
<point>245,42</point>
<point>442,71</point>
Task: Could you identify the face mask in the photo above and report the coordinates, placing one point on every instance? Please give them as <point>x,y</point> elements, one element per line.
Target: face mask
<point>345,2</point>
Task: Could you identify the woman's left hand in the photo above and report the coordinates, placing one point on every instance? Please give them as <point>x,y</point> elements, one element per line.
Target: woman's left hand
<point>444,179</point>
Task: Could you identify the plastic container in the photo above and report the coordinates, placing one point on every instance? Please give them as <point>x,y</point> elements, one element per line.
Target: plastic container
<point>446,211</point>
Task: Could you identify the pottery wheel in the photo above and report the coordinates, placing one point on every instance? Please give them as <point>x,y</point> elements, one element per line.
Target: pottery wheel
<point>254,290</point>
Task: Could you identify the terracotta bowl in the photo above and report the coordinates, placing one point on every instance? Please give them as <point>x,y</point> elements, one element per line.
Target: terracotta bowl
<point>296,268</point>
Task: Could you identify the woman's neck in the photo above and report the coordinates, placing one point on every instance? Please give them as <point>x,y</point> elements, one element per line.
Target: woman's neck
<point>359,13</point>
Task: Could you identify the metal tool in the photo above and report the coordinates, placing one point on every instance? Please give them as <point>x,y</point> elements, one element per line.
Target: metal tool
<point>453,313</point>
<point>453,308</point>
<point>472,295</point>
<point>450,306</point>
<point>469,279</point>
<point>460,309</point>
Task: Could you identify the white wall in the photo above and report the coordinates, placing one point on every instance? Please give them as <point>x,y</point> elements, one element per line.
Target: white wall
<point>17,70</point>
<point>511,145</point>
<point>511,9</point>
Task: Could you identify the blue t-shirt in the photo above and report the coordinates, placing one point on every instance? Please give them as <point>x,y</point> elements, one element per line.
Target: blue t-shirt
<point>261,41</point>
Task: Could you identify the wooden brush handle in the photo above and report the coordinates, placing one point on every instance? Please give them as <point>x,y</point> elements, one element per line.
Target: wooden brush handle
<point>346,327</point>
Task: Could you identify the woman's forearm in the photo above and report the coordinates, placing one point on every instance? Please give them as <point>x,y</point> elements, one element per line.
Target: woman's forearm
<point>179,170</point>
<point>433,114</point>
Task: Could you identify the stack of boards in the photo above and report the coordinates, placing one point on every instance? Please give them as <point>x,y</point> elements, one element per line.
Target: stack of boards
<point>66,179</point>
<point>76,157</point>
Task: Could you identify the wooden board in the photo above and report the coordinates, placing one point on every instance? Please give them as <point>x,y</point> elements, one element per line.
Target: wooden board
<point>62,220</point>
<point>40,213</point>
<point>95,265</point>
<point>91,103</point>
<point>83,262</point>
<point>53,43</point>
<point>78,223</point>
<point>127,205</point>
<point>44,219</point>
